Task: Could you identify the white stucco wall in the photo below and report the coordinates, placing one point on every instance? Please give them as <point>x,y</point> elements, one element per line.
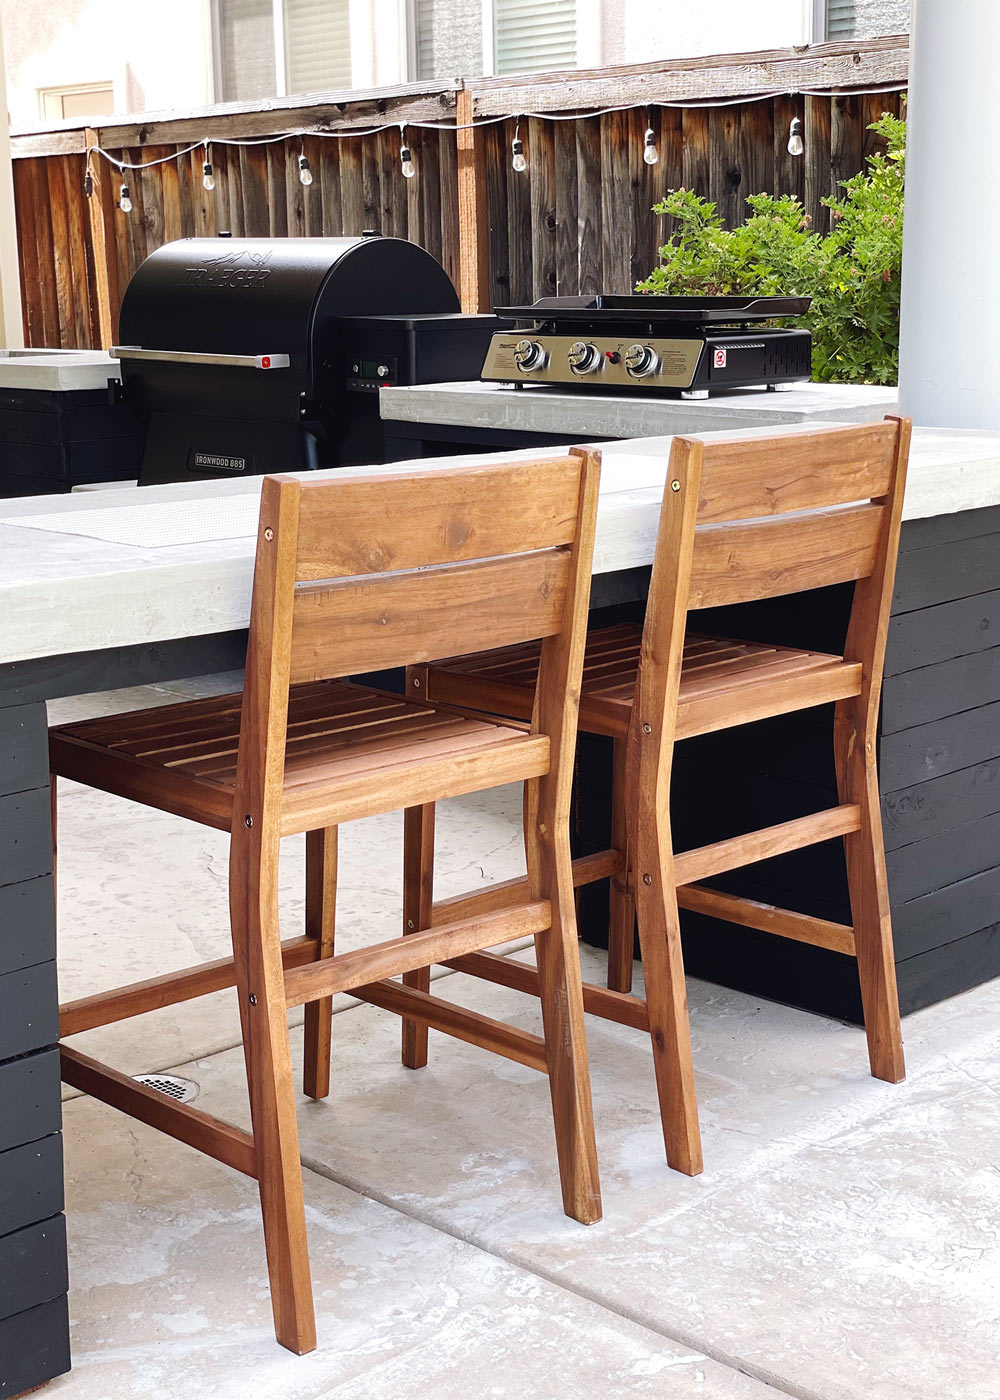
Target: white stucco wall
<point>635,31</point>
<point>156,54</point>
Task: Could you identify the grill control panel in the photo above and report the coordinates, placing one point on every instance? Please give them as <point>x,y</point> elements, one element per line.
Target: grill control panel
<point>692,365</point>
<point>564,359</point>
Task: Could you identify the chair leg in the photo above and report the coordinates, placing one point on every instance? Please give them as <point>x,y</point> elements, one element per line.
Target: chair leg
<point>621,907</point>
<point>666,994</point>
<point>253,900</point>
<point>321,914</point>
<point>418,895</point>
<point>857,780</point>
<point>557,952</point>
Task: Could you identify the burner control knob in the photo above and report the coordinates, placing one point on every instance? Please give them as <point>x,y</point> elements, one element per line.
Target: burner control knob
<point>583,357</point>
<point>529,354</point>
<point>641,360</point>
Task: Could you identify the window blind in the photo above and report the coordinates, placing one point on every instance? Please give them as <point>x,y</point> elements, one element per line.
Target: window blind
<point>317,45</point>
<point>531,35</point>
<point>246,49</point>
<point>841,19</point>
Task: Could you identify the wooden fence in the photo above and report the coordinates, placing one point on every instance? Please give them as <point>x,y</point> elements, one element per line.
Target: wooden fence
<point>577,220</point>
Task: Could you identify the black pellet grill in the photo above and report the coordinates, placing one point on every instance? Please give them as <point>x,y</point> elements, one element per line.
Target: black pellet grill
<point>256,355</point>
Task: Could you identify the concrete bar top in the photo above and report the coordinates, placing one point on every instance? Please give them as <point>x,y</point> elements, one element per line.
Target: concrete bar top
<point>70,592</point>
<point>541,409</point>
<point>57,370</point>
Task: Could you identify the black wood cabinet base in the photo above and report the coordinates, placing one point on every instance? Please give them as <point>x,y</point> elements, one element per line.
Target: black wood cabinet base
<point>939,765</point>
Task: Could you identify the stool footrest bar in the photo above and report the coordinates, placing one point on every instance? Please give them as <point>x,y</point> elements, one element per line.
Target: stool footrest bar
<point>200,1130</point>
<point>470,1026</point>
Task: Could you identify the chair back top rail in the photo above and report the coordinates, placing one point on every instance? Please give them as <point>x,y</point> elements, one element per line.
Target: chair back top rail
<point>749,518</point>
<point>366,573</point>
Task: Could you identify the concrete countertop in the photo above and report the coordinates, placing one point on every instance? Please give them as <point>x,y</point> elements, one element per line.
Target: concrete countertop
<point>541,409</point>
<point>66,592</point>
<point>57,369</point>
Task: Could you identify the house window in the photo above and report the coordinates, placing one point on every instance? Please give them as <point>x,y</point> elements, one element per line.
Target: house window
<point>269,48</point>
<point>60,104</point>
<point>532,35</point>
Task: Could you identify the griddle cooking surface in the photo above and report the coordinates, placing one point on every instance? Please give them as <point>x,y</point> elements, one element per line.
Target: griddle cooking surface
<point>690,311</point>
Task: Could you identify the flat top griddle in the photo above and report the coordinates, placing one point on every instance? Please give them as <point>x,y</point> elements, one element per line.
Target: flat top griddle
<point>689,311</point>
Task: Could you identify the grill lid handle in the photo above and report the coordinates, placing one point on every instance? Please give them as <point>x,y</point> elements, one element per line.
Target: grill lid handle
<point>194,357</point>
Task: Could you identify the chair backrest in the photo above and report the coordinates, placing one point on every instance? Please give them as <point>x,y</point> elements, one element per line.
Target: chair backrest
<point>746,517</point>
<point>362,573</point>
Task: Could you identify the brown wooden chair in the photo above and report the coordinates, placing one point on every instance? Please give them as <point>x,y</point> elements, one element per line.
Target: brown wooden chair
<point>354,575</point>
<point>743,518</point>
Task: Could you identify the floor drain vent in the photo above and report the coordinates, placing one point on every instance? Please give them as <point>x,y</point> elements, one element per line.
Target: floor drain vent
<point>183,1090</point>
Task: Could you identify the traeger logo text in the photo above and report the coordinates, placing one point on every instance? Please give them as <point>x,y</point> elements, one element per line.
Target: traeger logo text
<point>243,269</point>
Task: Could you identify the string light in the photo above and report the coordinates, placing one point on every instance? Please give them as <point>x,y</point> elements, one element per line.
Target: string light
<point>305,172</point>
<point>517,150</point>
<point>406,156</point>
<point>649,152</point>
<point>796,145</point>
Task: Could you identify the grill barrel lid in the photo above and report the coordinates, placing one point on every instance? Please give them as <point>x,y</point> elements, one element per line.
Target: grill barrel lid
<point>264,296</point>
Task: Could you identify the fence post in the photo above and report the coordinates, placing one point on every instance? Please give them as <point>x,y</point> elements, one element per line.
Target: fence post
<point>99,238</point>
<point>473,226</point>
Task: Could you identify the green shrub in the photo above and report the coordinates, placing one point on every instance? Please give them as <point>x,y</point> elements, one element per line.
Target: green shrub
<point>851,273</point>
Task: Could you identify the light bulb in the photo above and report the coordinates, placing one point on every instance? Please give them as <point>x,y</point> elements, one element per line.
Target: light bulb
<point>649,152</point>
<point>124,200</point>
<point>406,159</point>
<point>517,155</point>
<point>795,143</point>
<point>305,174</point>
<point>207,176</point>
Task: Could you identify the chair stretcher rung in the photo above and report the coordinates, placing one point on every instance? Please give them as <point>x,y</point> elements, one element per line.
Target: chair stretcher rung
<point>470,1026</point>
<point>347,971</point>
<point>103,1008</point>
<point>703,861</point>
<point>621,1007</point>
<point>506,893</point>
<point>226,1144</point>
<point>750,913</point>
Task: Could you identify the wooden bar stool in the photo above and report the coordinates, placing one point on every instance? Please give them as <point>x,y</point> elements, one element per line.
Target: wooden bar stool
<point>743,518</point>
<point>353,575</point>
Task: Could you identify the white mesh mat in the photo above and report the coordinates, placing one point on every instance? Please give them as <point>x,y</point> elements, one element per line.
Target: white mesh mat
<point>157,525</point>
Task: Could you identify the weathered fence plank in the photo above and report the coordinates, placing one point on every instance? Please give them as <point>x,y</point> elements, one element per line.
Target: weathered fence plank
<point>578,220</point>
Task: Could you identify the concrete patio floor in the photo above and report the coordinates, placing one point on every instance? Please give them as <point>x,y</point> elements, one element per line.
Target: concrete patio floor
<point>842,1242</point>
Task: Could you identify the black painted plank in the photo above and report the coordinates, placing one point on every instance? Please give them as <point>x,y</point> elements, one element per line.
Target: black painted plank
<point>34,1347</point>
<point>29,1098</point>
<point>82,673</point>
<point>943,746</point>
<point>33,1266</point>
<point>31,1183</point>
<point>29,1010</point>
<point>27,924</point>
<point>25,836</point>
<point>944,972</point>
<point>943,529</point>
<point>942,918</point>
<point>947,688</point>
<point>938,574</point>
<point>926,866</point>
<point>24,749</point>
<point>929,809</point>
<point>935,634</point>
